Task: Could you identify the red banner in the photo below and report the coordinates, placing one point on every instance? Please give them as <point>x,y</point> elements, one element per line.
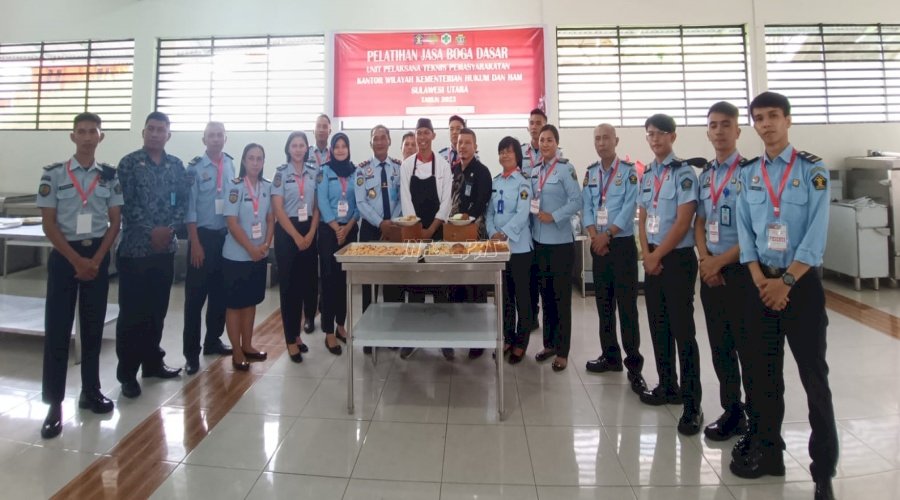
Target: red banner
<point>471,73</point>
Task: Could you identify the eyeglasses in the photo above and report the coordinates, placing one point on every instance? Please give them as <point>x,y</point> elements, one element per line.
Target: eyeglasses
<point>653,134</point>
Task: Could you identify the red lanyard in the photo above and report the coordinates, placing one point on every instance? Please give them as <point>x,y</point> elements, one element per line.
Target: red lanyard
<point>253,197</point>
<point>608,180</point>
<point>531,156</point>
<point>542,179</point>
<point>343,187</point>
<point>776,200</point>
<point>84,196</point>
<point>300,186</point>
<point>319,161</point>
<point>219,173</point>
<point>714,192</point>
<point>658,185</point>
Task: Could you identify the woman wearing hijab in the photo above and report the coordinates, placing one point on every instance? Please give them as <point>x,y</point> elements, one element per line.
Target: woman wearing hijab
<point>250,229</point>
<point>294,205</point>
<point>337,227</point>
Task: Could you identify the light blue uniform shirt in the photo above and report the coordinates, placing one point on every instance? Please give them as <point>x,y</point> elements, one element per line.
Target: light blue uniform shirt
<point>367,189</point>
<point>560,197</point>
<point>726,209</point>
<point>621,196</point>
<point>57,191</point>
<point>330,192</point>
<point>532,157</point>
<point>203,175</point>
<point>804,210</point>
<point>513,220</point>
<point>287,184</point>
<point>240,204</point>
<point>677,188</point>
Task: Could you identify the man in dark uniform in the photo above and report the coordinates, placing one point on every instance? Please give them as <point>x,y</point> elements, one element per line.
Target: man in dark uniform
<point>782,225</point>
<point>724,282</point>
<point>156,189</point>
<point>80,204</point>
<point>206,236</point>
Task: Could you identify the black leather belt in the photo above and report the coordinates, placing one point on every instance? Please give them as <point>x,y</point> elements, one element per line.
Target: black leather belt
<point>220,232</point>
<point>85,243</point>
<point>772,271</point>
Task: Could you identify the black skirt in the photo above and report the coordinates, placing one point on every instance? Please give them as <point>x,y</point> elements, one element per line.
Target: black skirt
<point>245,283</point>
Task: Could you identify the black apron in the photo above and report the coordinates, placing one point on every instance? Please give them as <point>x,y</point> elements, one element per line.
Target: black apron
<point>424,195</point>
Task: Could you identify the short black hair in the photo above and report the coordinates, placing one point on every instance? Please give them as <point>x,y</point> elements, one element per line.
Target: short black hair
<point>538,111</point>
<point>771,100</point>
<point>247,148</point>
<point>408,134</point>
<point>457,118</point>
<point>661,121</point>
<point>725,108</point>
<point>86,117</point>
<point>290,139</point>
<point>468,131</point>
<point>552,129</point>
<point>511,142</point>
<point>326,117</point>
<point>158,116</point>
<point>380,127</point>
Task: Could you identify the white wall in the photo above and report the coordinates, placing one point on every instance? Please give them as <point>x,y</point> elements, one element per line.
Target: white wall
<point>145,20</point>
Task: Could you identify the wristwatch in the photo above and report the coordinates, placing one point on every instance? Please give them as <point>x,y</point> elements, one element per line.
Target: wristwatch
<point>788,279</point>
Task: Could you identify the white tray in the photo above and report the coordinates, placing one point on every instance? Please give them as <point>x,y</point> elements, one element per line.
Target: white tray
<point>468,257</point>
<point>413,253</point>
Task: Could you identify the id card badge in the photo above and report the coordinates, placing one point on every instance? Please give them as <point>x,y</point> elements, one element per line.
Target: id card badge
<point>172,198</point>
<point>302,213</point>
<point>713,232</point>
<point>83,224</point>
<point>220,206</point>
<point>500,206</point>
<point>468,189</point>
<point>602,216</point>
<point>777,234</point>
<point>535,206</point>
<point>653,224</point>
<point>725,216</point>
<point>256,231</point>
<point>342,208</point>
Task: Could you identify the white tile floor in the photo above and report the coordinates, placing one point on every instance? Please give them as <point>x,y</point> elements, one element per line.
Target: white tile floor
<point>424,428</point>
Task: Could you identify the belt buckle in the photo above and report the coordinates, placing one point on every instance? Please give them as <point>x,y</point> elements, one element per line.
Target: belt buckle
<point>773,271</point>
<point>87,243</point>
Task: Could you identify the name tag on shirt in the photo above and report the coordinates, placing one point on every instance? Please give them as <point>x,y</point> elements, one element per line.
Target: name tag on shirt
<point>535,206</point>
<point>256,231</point>
<point>83,224</point>
<point>602,216</point>
<point>220,206</point>
<point>653,224</point>
<point>777,234</point>
<point>468,189</point>
<point>342,208</point>
<point>302,213</point>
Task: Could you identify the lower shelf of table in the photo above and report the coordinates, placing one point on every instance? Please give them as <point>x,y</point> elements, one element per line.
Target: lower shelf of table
<point>427,325</point>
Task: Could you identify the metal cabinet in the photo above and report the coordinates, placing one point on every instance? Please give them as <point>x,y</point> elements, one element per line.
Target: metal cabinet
<point>858,241</point>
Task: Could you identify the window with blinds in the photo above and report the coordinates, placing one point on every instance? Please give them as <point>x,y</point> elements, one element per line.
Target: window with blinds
<point>621,75</point>
<point>251,83</point>
<point>836,73</point>
<point>44,85</point>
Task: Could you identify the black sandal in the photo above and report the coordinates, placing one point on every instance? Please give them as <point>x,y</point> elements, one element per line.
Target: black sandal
<point>558,367</point>
<point>544,355</point>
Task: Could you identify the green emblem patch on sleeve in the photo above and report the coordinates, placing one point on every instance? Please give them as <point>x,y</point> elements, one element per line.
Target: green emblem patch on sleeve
<point>524,194</point>
<point>819,182</point>
<point>686,184</point>
<point>632,179</point>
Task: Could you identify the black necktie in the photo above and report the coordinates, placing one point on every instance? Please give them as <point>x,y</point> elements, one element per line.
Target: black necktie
<point>385,201</point>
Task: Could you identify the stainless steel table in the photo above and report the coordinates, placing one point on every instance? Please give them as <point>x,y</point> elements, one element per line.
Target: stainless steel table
<point>427,325</point>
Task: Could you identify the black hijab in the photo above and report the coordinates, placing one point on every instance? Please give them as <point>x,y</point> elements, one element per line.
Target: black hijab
<point>341,167</point>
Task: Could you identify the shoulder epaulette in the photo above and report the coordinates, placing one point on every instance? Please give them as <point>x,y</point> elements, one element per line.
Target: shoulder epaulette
<point>696,162</point>
<point>708,166</point>
<point>267,181</point>
<point>592,165</point>
<point>498,175</point>
<point>282,167</point>
<point>563,159</point>
<point>747,161</point>
<point>195,161</point>
<point>363,164</point>
<point>443,149</point>
<point>52,166</point>
<point>237,180</point>
<point>626,162</point>
<point>108,171</point>
<point>398,162</point>
<point>809,157</point>
<point>229,156</point>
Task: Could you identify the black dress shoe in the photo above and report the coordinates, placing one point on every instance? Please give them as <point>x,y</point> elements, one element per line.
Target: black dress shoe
<point>256,356</point>
<point>219,348</point>
<point>823,490</point>
<point>731,423</point>
<point>742,446</point>
<point>690,422</point>
<point>303,348</point>
<point>131,389</point>
<point>340,337</point>
<point>602,364</point>
<point>544,355</point>
<point>309,326</point>
<point>758,462</point>
<point>449,354</point>
<point>162,371</point>
<point>96,402</point>
<point>475,353</point>
<point>191,366</point>
<point>336,350</point>
<point>53,423</point>
<point>661,396</point>
<point>638,385</point>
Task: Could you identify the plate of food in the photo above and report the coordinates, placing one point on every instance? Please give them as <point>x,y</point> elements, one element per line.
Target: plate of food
<point>31,221</point>
<point>380,251</point>
<point>461,220</point>
<point>406,220</point>
<point>484,251</point>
